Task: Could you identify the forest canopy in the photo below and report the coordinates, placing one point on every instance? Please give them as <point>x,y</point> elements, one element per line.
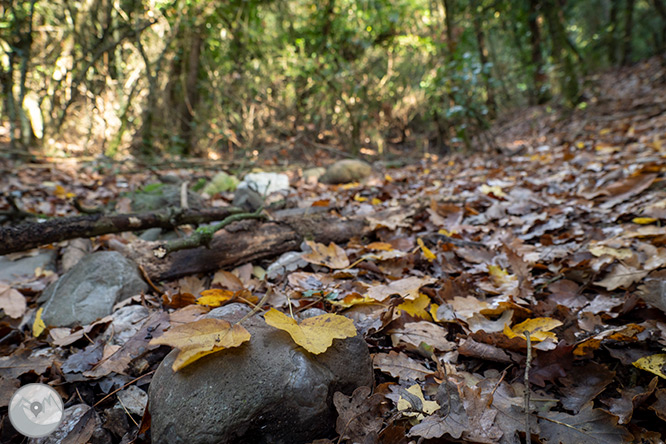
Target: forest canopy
<point>194,77</point>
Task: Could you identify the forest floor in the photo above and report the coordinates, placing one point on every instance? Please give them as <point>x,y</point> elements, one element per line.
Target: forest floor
<point>558,239</point>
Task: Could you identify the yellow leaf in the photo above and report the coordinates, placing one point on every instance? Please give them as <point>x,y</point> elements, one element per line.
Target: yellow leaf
<point>604,131</point>
<point>382,246</point>
<point>359,198</point>
<point>653,364</point>
<point>353,299</point>
<point>497,191</point>
<point>350,185</point>
<point>314,334</point>
<point>200,338</point>
<point>433,312</point>
<point>388,178</point>
<point>331,256</point>
<point>643,220</point>
<point>417,307</point>
<point>60,192</point>
<point>426,251</point>
<point>215,297</point>
<point>537,327</point>
<point>375,201</point>
<point>500,276</point>
<point>38,326</point>
<point>580,145</point>
<point>446,232</point>
<point>618,253</point>
<point>417,411</point>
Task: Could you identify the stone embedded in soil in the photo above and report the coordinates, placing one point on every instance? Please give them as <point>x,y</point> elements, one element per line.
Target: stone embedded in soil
<point>268,390</point>
<point>345,171</point>
<point>90,289</point>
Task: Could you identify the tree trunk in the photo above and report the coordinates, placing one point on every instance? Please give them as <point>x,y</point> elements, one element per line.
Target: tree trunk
<point>628,28</point>
<point>191,93</point>
<point>483,58</point>
<point>568,77</point>
<point>612,32</point>
<point>448,20</point>
<point>540,94</point>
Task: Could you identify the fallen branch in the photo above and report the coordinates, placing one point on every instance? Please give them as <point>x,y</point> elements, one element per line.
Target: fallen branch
<point>242,242</point>
<point>33,234</point>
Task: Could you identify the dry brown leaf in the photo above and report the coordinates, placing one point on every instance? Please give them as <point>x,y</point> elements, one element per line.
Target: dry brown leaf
<point>407,288</point>
<point>332,256</point>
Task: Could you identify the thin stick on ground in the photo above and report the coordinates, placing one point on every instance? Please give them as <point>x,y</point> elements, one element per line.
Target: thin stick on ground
<point>528,364</point>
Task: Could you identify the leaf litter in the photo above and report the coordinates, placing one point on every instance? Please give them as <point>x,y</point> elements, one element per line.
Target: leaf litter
<point>562,239</point>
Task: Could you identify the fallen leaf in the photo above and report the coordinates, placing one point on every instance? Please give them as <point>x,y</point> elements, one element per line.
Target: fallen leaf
<point>38,325</point>
<point>215,297</point>
<point>590,426</point>
<point>11,301</point>
<point>653,364</point>
<point>407,288</point>
<point>359,415</point>
<point>200,338</point>
<point>414,333</point>
<point>315,334</point>
<point>416,307</point>
<point>425,250</point>
<point>416,408</point>
<point>332,256</point>
<point>537,327</point>
<point>400,365</point>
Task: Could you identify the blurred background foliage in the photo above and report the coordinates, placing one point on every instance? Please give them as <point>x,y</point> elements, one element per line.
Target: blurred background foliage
<point>195,77</point>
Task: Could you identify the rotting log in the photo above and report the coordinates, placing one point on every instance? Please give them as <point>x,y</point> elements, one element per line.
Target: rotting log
<point>34,234</point>
<point>243,242</point>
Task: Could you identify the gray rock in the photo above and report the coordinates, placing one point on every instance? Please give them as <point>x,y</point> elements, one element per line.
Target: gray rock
<point>269,390</point>
<point>11,271</point>
<point>345,171</point>
<point>90,290</point>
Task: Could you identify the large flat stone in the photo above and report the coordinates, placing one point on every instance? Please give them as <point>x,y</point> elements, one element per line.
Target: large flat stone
<point>90,289</point>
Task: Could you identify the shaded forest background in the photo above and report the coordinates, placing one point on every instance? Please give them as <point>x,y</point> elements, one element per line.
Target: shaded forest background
<point>226,79</point>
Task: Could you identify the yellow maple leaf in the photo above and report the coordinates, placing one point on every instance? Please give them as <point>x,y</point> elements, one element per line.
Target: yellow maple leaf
<point>426,251</point>
<point>38,326</point>
<point>200,338</point>
<point>417,307</point>
<point>537,328</point>
<point>314,334</point>
<point>215,297</point>
<point>653,364</point>
<point>331,256</point>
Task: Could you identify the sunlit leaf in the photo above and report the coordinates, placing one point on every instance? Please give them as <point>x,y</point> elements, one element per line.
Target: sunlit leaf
<point>653,364</point>
<point>215,297</point>
<point>426,251</point>
<point>315,334</point>
<point>38,326</point>
<point>200,338</point>
<point>417,307</point>
<point>644,220</point>
<point>538,329</point>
